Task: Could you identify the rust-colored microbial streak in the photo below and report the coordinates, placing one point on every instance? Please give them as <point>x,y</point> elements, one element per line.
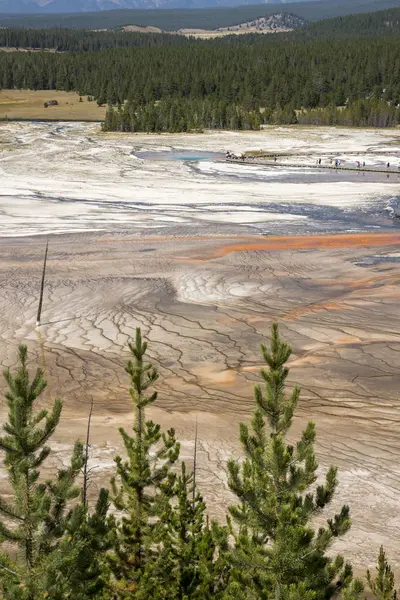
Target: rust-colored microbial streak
<point>303,242</point>
<point>243,243</point>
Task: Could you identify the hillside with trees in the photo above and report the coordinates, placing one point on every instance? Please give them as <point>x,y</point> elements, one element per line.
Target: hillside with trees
<point>149,536</point>
<point>385,22</point>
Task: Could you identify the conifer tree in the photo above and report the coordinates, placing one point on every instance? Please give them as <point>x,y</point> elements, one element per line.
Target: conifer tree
<point>353,591</point>
<point>192,564</point>
<point>277,553</point>
<point>143,485</point>
<point>185,525</point>
<point>383,585</point>
<point>35,518</point>
<point>78,568</point>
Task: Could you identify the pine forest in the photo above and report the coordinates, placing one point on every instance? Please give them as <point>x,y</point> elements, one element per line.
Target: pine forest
<point>342,71</point>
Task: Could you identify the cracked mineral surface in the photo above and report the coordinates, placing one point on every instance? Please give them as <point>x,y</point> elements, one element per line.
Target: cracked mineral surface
<point>204,258</point>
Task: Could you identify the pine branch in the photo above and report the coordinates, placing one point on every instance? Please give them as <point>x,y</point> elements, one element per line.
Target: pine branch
<point>7,570</point>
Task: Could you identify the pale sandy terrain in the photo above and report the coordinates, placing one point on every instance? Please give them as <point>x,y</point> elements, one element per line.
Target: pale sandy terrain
<point>174,247</point>
<point>206,33</point>
<point>138,28</point>
<point>11,49</point>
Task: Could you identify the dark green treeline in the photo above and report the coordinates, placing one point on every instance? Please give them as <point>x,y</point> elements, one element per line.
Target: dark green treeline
<point>70,40</point>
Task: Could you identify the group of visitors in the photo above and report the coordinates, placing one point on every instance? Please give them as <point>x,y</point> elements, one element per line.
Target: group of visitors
<point>232,156</point>
<point>338,162</point>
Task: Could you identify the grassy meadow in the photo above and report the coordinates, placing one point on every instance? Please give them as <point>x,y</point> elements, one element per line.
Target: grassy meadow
<point>27,104</point>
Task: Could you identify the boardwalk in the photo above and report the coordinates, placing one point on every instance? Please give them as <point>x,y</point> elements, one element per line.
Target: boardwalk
<point>263,163</point>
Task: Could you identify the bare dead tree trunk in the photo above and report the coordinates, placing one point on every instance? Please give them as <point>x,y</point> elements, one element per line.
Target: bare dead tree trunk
<point>85,467</point>
<point>194,464</point>
<point>39,312</point>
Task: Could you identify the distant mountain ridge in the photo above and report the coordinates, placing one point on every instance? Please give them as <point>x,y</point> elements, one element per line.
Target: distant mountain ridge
<point>76,6</point>
<point>173,19</point>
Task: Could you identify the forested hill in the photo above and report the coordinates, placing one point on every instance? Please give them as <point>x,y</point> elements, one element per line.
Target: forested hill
<point>386,22</point>
<point>205,18</point>
<point>383,22</point>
